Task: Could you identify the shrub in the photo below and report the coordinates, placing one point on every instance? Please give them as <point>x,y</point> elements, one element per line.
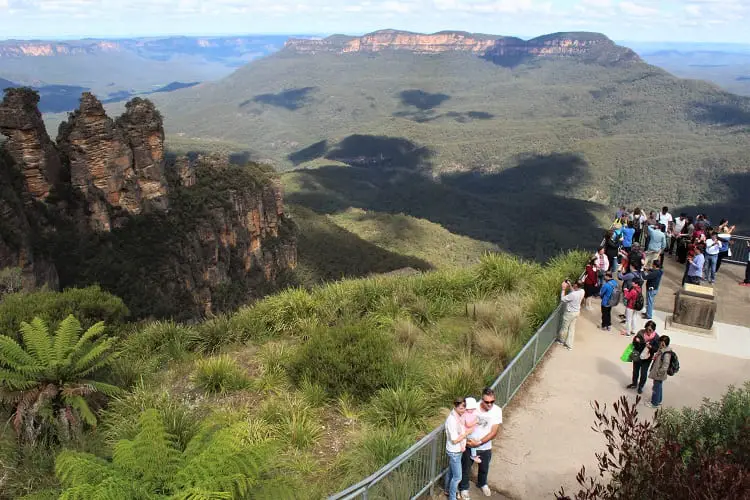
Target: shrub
<point>643,460</point>
<point>714,427</point>
<point>90,305</point>
<point>11,280</point>
<point>354,358</point>
<point>313,393</point>
<point>392,407</point>
<point>219,375</point>
<point>51,380</point>
<point>500,272</point>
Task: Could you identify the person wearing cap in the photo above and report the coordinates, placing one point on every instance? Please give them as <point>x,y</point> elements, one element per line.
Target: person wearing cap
<point>470,422</point>
<point>489,419</point>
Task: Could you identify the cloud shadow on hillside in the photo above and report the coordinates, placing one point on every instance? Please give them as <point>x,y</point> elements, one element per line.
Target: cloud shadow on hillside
<point>421,99</point>
<point>309,153</point>
<point>291,99</point>
<point>506,60</point>
<point>726,114</point>
<point>379,151</point>
<point>521,209</point>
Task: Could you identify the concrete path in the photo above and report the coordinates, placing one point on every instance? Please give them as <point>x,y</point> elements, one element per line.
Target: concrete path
<point>547,434</point>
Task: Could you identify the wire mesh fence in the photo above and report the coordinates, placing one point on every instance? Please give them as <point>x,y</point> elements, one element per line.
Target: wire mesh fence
<point>416,472</point>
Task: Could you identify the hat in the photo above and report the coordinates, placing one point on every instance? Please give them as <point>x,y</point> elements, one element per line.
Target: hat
<point>471,404</point>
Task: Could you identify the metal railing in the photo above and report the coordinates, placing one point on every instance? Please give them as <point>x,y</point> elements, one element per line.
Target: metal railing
<point>739,250</point>
<point>416,471</point>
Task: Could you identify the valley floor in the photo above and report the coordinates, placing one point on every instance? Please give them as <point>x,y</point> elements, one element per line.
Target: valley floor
<point>548,434</point>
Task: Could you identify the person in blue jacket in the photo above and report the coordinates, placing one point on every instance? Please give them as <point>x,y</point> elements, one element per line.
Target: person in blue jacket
<point>627,236</point>
<point>608,288</point>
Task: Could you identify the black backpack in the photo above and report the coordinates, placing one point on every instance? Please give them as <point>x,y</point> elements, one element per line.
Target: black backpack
<point>674,364</point>
<point>639,302</point>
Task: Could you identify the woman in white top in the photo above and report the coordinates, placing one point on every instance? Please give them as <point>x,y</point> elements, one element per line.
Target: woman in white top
<point>455,443</point>
<point>713,247</point>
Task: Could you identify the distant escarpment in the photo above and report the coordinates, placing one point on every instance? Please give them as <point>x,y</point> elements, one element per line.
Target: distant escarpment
<point>103,204</point>
<point>591,47</point>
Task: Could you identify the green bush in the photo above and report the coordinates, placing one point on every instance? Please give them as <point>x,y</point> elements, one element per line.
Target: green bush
<point>715,427</point>
<point>166,340</point>
<point>211,334</point>
<point>354,358</point>
<point>90,305</point>
<point>376,447</point>
<point>219,375</point>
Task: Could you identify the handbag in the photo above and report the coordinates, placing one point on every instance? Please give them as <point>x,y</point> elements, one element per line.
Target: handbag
<point>645,353</point>
<point>626,354</point>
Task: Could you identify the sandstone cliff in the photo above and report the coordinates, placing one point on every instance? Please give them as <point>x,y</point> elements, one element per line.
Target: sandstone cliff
<point>592,47</point>
<point>28,143</point>
<point>118,167</point>
<point>173,237</point>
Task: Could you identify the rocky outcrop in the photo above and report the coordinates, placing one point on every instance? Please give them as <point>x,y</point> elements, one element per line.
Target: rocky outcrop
<point>38,48</point>
<point>226,239</point>
<point>246,234</point>
<point>592,47</point>
<point>28,144</point>
<point>117,166</point>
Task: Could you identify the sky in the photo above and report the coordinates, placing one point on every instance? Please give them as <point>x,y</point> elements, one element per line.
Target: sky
<point>723,21</point>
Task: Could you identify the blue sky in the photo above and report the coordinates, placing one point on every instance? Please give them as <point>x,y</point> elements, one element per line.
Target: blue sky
<point>637,20</point>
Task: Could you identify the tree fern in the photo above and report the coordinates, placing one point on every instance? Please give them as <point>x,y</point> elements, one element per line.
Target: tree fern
<point>218,463</point>
<point>49,378</point>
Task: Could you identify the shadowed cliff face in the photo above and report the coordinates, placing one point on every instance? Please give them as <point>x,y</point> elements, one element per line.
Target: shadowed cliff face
<point>171,237</point>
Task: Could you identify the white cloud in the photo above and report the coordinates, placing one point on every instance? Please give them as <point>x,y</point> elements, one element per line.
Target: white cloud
<point>637,9</point>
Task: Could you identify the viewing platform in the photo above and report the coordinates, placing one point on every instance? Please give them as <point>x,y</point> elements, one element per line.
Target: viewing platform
<point>547,432</point>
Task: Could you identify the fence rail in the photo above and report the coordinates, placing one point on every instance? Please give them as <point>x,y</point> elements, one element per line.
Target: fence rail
<point>415,472</point>
<point>739,250</point>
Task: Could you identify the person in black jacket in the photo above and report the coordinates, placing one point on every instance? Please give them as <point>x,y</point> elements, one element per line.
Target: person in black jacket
<point>645,345</point>
<point>611,249</point>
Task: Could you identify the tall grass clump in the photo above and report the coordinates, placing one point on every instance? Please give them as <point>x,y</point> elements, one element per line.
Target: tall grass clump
<point>212,334</point>
<point>407,333</point>
<point>463,377</point>
<point>294,420</point>
<point>375,448</point>
<point>165,340</point>
<point>121,417</point>
<point>353,357</point>
<point>403,405</point>
<point>501,272</point>
<point>219,375</point>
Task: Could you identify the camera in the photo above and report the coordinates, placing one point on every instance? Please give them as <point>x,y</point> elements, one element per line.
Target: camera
<point>567,281</point>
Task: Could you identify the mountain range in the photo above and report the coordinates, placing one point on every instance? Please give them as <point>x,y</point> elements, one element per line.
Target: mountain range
<point>390,120</point>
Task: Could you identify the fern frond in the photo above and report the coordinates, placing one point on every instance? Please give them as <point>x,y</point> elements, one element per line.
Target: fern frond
<point>66,335</point>
<point>101,348</point>
<point>88,336</point>
<point>37,340</point>
<point>106,389</point>
<point>74,468</point>
<point>82,408</point>
<point>13,356</point>
<point>15,381</point>
<point>151,455</point>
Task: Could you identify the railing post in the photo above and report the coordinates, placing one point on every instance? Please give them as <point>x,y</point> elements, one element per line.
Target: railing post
<point>536,347</point>
<point>433,464</point>
<point>510,379</point>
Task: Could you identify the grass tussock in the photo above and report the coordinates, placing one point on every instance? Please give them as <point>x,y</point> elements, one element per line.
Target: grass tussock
<point>219,375</point>
<point>393,407</point>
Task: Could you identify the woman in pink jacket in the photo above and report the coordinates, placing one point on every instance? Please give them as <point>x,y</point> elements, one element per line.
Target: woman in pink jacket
<point>631,295</point>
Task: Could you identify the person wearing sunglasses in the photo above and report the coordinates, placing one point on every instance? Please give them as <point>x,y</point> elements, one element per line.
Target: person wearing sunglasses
<point>489,418</point>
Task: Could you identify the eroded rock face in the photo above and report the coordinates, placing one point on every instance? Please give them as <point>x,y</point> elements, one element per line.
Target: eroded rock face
<point>592,47</point>
<point>28,144</point>
<point>118,166</point>
<point>249,236</point>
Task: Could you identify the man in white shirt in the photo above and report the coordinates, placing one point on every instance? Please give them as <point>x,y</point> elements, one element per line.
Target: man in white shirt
<point>572,303</point>
<point>489,418</point>
<point>679,225</point>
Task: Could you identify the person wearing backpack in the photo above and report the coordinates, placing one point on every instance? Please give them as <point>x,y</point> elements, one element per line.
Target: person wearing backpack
<point>633,299</point>
<point>662,365</point>
<point>610,294</point>
<point>645,346</point>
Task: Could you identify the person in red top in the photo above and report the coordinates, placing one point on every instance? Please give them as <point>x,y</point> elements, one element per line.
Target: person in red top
<point>631,294</point>
<point>591,283</point>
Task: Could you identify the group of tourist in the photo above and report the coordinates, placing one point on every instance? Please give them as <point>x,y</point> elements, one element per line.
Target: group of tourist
<point>469,430</point>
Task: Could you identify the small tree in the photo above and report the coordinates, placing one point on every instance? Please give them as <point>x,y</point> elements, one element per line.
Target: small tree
<point>48,378</point>
<point>217,463</point>
<point>11,280</point>
<point>642,461</point>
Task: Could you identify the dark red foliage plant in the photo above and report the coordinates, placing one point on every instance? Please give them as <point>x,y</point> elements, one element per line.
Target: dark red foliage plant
<point>641,461</point>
